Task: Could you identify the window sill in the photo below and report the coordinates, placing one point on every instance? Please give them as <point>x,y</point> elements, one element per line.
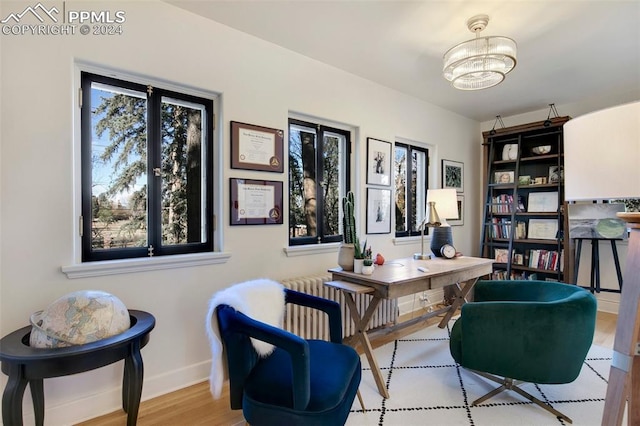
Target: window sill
<point>306,250</point>
<point>127,266</point>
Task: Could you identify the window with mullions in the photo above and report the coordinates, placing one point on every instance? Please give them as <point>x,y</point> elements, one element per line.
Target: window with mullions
<point>146,170</point>
<point>318,179</point>
<point>411,166</point>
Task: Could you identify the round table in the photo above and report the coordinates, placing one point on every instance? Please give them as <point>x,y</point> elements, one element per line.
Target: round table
<point>26,365</point>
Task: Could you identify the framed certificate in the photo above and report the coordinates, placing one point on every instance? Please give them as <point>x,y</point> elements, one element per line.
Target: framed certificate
<point>543,202</point>
<point>256,148</point>
<point>255,202</point>
<point>543,229</point>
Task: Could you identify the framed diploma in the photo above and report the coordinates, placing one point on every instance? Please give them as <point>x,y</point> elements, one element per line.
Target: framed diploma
<point>256,148</point>
<point>256,202</point>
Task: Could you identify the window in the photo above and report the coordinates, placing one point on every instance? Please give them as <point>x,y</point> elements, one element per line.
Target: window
<point>147,176</point>
<point>318,179</point>
<point>411,166</point>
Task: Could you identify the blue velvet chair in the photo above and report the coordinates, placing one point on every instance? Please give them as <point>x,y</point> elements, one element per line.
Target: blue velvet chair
<point>302,382</point>
<point>525,331</point>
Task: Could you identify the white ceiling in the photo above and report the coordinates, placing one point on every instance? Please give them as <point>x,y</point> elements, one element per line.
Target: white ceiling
<point>568,50</point>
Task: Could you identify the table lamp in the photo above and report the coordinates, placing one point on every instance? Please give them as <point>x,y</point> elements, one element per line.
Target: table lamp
<point>431,219</point>
<point>602,158</point>
<point>446,203</point>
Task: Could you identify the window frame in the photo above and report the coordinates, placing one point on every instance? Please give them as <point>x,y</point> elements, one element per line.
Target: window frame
<point>154,225</point>
<point>344,179</point>
<point>411,200</point>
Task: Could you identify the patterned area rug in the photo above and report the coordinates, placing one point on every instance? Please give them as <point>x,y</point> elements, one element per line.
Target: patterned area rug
<point>427,387</point>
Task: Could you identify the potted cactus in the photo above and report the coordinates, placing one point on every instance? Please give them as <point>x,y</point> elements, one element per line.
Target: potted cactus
<point>347,251</point>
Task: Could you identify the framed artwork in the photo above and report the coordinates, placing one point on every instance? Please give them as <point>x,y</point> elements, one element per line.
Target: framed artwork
<point>453,175</point>
<point>379,162</point>
<point>460,220</point>
<point>255,202</point>
<point>256,148</point>
<point>505,176</point>
<point>378,211</point>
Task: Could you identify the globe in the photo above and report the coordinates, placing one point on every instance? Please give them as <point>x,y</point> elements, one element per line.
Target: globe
<point>77,318</point>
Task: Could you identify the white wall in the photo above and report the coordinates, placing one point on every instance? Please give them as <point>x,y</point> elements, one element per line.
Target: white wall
<point>260,83</point>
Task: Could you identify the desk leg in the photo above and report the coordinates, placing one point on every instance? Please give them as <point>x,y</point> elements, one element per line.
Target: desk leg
<point>363,337</point>
<point>132,383</point>
<point>37,396</point>
<point>12,396</point>
<point>460,299</point>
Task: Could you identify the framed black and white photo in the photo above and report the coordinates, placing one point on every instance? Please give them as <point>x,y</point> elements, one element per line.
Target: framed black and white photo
<point>379,162</point>
<point>453,175</point>
<point>255,202</point>
<point>256,147</point>
<point>460,220</point>
<point>378,211</point>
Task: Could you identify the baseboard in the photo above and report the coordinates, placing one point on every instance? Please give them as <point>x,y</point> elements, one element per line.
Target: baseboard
<point>109,401</point>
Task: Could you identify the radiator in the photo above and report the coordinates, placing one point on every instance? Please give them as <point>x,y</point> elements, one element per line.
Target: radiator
<point>313,324</point>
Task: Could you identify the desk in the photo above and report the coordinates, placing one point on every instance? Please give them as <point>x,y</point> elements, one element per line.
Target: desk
<point>398,278</point>
<point>26,365</point>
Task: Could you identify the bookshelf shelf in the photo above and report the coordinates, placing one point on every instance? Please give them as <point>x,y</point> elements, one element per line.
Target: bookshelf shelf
<point>511,234</point>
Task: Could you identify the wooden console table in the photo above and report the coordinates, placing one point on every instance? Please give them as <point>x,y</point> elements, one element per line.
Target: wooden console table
<point>402,277</point>
<point>26,365</point>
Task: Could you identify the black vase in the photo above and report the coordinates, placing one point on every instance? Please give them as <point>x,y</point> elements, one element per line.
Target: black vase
<point>441,235</point>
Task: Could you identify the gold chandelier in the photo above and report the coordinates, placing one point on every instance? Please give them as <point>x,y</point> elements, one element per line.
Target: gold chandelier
<point>481,62</point>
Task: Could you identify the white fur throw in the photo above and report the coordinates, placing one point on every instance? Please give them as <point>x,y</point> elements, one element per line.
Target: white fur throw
<point>261,300</point>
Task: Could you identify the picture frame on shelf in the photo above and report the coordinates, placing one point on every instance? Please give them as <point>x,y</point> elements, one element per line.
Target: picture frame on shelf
<point>453,175</point>
<point>542,202</point>
<point>556,174</point>
<point>379,162</point>
<point>460,220</point>
<point>256,148</point>
<point>524,180</point>
<point>504,177</point>
<point>543,229</point>
<point>378,211</point>
<point>255,202</point>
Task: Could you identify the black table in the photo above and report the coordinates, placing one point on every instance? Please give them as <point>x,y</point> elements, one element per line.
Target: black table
<point>26,365</point>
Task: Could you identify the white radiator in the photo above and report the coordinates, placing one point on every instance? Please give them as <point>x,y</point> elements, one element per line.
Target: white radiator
<point>313,324</point>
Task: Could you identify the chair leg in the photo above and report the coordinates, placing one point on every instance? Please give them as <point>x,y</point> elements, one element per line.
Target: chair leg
<point>510,384</point>
<point>361,400</point>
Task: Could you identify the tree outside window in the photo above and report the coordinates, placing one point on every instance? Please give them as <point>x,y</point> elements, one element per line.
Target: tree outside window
<point>318,179</point>
<point>146,170</point>
<point>411,165</point>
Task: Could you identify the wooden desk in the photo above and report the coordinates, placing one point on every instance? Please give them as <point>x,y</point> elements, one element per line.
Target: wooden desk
<point>398,278</point>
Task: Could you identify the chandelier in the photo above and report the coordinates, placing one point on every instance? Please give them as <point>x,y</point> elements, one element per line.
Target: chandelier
<point>481,62</point>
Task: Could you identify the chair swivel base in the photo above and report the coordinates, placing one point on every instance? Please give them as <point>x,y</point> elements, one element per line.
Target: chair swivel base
<point>510,384</point>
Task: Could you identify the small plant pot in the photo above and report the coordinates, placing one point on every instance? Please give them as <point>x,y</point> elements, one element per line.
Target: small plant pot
<point>345,257</point>
<point>367,269</point>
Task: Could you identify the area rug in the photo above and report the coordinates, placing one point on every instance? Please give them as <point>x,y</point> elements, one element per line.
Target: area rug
<point>427,387</point>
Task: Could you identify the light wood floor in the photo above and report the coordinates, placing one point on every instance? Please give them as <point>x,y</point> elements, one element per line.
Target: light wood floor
<point>195,406</point>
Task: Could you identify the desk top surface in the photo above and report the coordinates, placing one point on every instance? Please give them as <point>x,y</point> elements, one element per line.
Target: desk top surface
<point>406,270</point>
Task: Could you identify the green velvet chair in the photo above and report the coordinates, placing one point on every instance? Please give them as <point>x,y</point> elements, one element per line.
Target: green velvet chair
<point>525,331</point>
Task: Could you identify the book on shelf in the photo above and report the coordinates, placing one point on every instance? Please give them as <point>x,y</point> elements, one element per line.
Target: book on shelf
<point>549,260</point>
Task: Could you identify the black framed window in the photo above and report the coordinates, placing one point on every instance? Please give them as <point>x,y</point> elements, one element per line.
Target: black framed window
<point>411,178</point>
<point>318,179</point>
<point>147,170</point>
